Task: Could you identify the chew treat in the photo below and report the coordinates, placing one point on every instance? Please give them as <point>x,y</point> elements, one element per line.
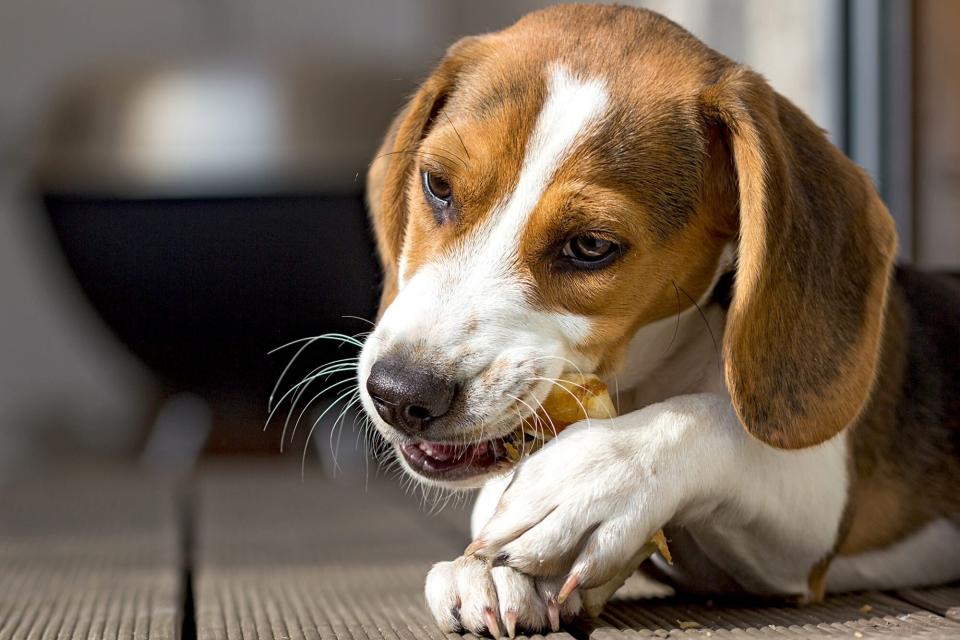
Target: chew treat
<point>575,397</point>
<point>595,599</point>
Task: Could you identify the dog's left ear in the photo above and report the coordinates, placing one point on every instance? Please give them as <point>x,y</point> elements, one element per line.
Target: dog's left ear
<point>389,172</point>
<point>815,250</point>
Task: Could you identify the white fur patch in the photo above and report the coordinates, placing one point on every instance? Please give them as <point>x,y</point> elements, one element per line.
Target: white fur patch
<point>678,354</point>
<point>571,107</point>
<point>486,502</point>
<point>928,557</point>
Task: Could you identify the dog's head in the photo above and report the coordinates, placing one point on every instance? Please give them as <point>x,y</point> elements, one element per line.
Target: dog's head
<point>549,189</point>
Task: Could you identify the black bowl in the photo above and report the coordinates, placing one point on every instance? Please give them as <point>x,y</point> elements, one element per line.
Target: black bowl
<point>201,288</point>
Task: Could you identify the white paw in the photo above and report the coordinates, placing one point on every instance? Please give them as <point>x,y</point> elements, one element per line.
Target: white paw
<point>579,509</point>
<point>467,595</point>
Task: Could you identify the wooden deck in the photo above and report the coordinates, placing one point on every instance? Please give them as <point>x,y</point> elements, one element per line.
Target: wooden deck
<point>249,552</point>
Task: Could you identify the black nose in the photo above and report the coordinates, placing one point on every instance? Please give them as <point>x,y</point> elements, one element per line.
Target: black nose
<point>408,397</point>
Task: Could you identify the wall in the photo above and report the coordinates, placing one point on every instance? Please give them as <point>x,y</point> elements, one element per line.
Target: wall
<point>64,384</point>
<point>937,140</point>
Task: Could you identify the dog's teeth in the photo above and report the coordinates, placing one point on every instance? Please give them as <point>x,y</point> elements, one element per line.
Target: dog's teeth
<point>439,451</point>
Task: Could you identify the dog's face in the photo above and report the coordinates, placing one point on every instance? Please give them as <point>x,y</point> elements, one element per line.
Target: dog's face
<point>551,189</point>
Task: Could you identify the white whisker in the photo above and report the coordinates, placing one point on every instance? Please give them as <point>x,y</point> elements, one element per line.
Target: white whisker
<point>553,427</point>
<point>306,407</point>
<point>324,372</point>
<point>561,359</point>
<point>370,322</point>
<point>309,341</point>
<point>306,444</point>
<point>335,449</point>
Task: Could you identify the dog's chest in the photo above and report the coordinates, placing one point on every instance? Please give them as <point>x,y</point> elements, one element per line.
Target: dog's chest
<point>670,357</point>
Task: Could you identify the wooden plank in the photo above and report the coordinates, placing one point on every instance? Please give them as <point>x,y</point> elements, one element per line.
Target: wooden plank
<point>86,556</point>
<point>942,600</point>
<point>866,615</point>
<point>285,560</point>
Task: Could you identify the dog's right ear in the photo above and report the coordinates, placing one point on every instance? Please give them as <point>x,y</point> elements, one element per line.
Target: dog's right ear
<point>815,251</point>
<point>389,172</point>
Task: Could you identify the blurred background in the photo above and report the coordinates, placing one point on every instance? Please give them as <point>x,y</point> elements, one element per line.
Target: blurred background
<point>181,191</point>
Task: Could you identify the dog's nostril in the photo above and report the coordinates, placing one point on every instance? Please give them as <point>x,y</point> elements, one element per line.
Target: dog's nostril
<point>417,412</point>
<point>408,397</point>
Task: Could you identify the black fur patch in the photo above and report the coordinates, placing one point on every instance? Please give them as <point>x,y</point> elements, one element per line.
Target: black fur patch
<point>723,291</point>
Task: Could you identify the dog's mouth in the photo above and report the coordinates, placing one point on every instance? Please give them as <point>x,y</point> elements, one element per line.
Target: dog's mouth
<point>452,462</point>
<point>449,462</point>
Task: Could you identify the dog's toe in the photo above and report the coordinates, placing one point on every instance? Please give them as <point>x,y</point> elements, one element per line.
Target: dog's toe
<point>467,595</point>
<point>462,597</point>
<point>521,605</point>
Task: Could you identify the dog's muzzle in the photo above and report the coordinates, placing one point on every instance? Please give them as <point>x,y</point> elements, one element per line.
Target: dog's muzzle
<point>413,400</point>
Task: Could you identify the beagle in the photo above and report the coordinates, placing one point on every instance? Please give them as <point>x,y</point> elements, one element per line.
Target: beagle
<point>594,189</point>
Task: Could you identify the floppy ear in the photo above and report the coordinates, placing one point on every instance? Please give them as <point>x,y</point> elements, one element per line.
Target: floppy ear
<point>815,251</point>
<point>389,172</point>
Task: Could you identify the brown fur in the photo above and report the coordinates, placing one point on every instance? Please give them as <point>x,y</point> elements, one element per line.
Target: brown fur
<point>696,152</point>
<point>802,340</point>
<point>389,175</point>
<point>905,449</point>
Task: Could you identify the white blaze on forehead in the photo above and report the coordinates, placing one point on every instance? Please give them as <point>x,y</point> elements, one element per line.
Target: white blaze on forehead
<point>478,279</point>
<point>572,105</point>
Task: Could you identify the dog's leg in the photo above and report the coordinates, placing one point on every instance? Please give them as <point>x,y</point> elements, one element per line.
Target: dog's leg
<point>583,505</point>
<point>486,503</point>
<point>575,512</point>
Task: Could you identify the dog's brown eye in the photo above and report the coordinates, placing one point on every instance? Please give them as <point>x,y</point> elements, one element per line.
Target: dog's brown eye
<point>437,188</point>
<point>590,251</point>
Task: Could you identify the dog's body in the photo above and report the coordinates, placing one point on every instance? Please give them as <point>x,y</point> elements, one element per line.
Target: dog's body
<point>912,540</point>
<point>595,189</point>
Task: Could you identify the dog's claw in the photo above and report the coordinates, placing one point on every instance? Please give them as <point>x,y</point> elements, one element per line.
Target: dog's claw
<point>568,587</point>
<point>492,624</point>
<point>510,620</point>
<point>553,613</point>
<point>473,547</point>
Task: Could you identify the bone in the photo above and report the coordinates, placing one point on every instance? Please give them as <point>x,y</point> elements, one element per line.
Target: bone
<point>574,397</point>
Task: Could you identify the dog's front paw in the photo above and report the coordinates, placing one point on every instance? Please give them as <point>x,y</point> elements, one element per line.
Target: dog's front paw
<point>579,509</point>
<point>467,595</point>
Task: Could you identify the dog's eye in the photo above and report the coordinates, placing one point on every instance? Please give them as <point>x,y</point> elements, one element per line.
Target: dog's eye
<point>437,189</point>
<point>589,251</point>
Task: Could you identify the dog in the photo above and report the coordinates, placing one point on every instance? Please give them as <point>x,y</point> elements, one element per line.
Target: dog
<point>593,189</point>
